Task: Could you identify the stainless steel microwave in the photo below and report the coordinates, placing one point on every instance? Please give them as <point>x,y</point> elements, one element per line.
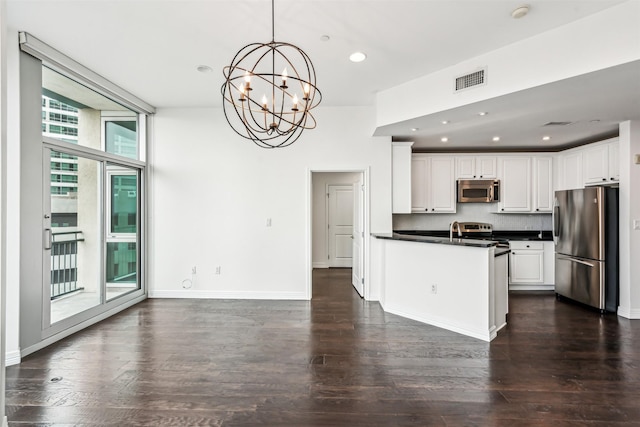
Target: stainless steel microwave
<point>478,190</point>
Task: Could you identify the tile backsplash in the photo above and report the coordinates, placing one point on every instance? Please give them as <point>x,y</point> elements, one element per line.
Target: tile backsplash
<point>478,212</point>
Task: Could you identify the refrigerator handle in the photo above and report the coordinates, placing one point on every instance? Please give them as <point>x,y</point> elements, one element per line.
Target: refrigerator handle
<point>556,220</point>
<point>588,264</point>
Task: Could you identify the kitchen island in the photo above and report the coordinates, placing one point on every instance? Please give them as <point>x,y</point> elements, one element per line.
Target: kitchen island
<point>458,284</point>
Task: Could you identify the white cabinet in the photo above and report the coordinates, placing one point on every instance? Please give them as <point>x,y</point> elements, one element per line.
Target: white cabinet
<point>526,262</point>
<point>419,166</point>
<point>542,184</point>
<point>433,188</point>
<point>476,167</point>
<point>401,177</point>
<point>515,184</point>
<point>614,161</point>
<point>595,163</point>
<point>570,170</point>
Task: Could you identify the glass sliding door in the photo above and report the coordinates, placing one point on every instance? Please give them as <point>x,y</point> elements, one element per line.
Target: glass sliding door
<point>122,254</point>
<point>73,233</point>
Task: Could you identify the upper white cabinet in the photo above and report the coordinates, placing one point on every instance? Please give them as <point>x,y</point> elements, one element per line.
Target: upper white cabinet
<point>601,163</point>
<point>515,184</point>
<point>570,170</point>
<point>542,184</point>
<point>526,184</point>
<point>433,188</point>
<point>593,164</point>
<point>401,177</point>
<point>476,167</point>
<point>614,161</point>
<point>419,166</point>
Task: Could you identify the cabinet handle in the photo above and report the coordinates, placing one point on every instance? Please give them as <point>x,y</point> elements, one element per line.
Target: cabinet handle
<point>604,179</point>
<point>613,179</point>
<point>528,246</point>
<point>502,209</point>
<point>433,209</point>
<point>537,210</point>
<point>474,176</point>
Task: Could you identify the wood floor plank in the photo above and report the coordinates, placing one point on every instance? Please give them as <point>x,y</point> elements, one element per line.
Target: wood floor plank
<point>334,361</point>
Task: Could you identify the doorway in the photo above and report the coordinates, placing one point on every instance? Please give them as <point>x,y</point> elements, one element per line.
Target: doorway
<point>336,223</point>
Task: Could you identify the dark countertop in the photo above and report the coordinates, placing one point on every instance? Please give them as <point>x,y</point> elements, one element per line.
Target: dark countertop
<point>436,239</point>
<point>502,251</point>
<point>497,234</point>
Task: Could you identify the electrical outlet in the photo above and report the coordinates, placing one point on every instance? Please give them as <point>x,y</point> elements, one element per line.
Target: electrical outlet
<point>218,269</point>
<point>434,289</point>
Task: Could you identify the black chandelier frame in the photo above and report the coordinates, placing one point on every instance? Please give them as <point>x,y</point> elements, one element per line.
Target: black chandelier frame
<point>270,123</point>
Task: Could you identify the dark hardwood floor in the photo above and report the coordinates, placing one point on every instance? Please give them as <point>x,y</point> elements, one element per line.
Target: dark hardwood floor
<point>334,361</point>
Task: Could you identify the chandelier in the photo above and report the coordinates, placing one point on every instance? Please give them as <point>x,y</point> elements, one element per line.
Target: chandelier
<point>268,107</point>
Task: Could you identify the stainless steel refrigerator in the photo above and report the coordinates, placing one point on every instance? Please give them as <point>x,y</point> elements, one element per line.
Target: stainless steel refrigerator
<point>585,233</point>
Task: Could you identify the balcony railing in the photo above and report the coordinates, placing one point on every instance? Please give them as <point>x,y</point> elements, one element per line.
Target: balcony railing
<point>64,263</point>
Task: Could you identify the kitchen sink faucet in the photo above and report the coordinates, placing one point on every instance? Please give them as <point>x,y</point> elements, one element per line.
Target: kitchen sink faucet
<point>454,224</point>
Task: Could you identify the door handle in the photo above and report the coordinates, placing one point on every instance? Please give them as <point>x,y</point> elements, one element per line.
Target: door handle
<point>352,237</point>
<point>46,239</point>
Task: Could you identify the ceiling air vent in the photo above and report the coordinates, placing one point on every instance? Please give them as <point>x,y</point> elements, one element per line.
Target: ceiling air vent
<point>557,123</point>
<point>474,79</point>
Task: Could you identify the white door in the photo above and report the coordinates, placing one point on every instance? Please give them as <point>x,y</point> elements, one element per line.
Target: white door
<point>357,275</point>
<point>340,227</point>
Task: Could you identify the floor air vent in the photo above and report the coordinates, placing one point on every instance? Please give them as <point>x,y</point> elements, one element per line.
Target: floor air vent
<point>467,81</point>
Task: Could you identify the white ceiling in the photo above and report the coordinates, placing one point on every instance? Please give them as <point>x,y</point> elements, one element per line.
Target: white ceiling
<point>152,49</point>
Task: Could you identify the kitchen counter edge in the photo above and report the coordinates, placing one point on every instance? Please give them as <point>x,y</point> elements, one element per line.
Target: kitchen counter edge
<point>437,240</point>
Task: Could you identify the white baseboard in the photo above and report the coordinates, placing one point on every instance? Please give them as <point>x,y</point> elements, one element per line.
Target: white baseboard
<point>5,423</point>
<point>320,265</point>
<point>479,334</point>
<point>195,294</point>
<point>628,312</point>
<point>12,358</point>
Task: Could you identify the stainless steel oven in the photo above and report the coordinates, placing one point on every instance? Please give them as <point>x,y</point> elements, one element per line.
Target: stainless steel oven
<point>478,190</point>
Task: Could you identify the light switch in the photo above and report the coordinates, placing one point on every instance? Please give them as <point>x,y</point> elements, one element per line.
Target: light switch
<point>637,159</point>
<point>268,222</point>
<point>636,224</point>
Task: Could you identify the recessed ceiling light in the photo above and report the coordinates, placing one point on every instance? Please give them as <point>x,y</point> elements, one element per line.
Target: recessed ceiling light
<point>495,139</point>
<point>204,69</point>
<point>414,129</point>
<point>546,138</point>
<point>520,12</point>
<point>325,38</point>
<point>482,113</point>
<point>357,57</point>
<point>444,139</point>
<point>445,122</point>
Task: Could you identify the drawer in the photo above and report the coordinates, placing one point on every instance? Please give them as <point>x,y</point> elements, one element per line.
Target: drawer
<point>526,244</point>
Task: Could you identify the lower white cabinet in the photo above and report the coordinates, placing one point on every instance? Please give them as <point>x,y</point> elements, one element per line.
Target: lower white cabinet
<point>526,263</point>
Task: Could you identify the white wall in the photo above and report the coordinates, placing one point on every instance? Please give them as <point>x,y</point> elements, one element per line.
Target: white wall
<point>3,200</point>
<point>12,274</point>
<point>629,211</point>
<point>213,191</point>
<point>605,39</point>
<point>319,216</point>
